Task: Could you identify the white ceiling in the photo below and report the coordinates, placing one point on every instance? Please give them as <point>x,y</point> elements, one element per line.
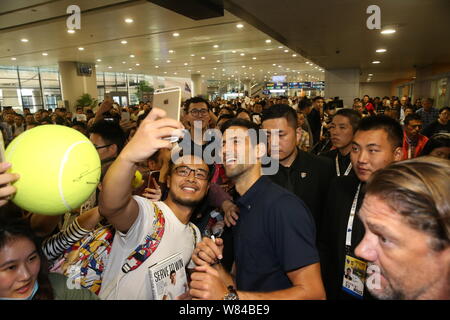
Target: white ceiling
<point>318,29</point>
<point>149,38</point>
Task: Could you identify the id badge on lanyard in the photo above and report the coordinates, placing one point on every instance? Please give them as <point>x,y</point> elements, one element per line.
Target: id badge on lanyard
<point>338,170</point>
<point>354,269</point>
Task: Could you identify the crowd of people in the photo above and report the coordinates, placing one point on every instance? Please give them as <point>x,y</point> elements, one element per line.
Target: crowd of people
<point>357,209</point>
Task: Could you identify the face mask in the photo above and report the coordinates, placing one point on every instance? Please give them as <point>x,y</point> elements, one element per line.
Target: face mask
<point>30,297</point>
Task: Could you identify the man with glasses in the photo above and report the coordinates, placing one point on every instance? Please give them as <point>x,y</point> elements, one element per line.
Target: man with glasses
<point>109,139</point>
<point>413,141</point>
<point>136,218</point>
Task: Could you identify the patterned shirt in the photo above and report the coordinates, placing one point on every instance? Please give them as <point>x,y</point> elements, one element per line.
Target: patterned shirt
<point>428,117</point>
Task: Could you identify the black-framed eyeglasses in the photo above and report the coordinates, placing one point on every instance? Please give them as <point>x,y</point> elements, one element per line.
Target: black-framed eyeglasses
<point>101,147</point>
<point>199,112</point>
<point>185,171</point>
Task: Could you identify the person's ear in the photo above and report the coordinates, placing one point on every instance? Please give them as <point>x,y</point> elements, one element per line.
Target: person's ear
<point>114,149</point>
<point>398,154</point>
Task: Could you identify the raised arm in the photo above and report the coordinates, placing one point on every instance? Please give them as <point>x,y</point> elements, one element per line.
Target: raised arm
<point>115,202</point>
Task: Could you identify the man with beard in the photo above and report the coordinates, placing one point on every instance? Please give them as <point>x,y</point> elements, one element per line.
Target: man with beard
<point>136,218</point>
<point>302,173</point>
<point>274,240</point>
<point>406,218</point>
<point>413,141</point>
<point>377,143</point>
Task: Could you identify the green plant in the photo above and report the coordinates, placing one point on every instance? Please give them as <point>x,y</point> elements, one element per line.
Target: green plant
<point>86,100</point>
<point>143,88</point>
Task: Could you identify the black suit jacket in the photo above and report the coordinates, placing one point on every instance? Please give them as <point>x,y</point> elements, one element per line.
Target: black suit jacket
<point>308,177</point>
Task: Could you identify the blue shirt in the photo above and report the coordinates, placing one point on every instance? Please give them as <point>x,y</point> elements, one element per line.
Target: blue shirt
<point>275,234</point>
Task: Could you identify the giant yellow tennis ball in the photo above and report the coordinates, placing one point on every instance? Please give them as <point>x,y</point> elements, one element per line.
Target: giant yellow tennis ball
<point>59,169</point>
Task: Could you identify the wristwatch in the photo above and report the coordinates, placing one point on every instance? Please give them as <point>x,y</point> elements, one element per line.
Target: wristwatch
<point>231,295</point>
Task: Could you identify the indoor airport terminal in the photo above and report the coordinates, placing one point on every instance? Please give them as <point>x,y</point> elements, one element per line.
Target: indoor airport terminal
<point>291,150</point>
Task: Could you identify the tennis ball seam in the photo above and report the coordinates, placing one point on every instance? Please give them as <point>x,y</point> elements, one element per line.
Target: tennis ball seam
<point>61,172</point>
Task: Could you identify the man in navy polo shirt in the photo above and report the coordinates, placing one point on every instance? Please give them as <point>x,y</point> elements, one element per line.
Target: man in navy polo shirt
<point>275,256</point>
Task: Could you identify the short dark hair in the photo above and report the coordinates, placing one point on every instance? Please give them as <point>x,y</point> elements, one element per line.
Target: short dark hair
<point>236,122</point>
<point>381,122</point>
<point>412,117</point>
<point>188,102</point>
<point>317,98</point>
<point>228,109</point>
<point>111,132</point>
<point>242,110</point>
<point>439,140</point>
<point>225,116</point>
<point>280,111</point>
<point>353,116</point>
<point>304,103</point>
<point>443,109</point>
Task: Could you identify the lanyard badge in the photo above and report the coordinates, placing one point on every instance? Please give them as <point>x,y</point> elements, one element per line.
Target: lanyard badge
<point>354,269</point>
<point>338,170</point>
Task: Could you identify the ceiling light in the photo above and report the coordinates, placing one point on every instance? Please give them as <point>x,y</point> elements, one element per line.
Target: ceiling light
<point>217,60</point>
<point>130,69</point>
<point>189,70</point>
<point>81,48</point>
<point>71,31</point>
<point>99,60</point>
<point>129,20</point>
<point>286,51</point>
<point>294,55</point>
<point>109,67</point>
<point>175,73</point>
<point>176,34</point>
<point>124,42</point>
<point>96,65</point>
<point>239,26</point>
<point>24,40</point>
<point>192,55</point>
<point>198,71</point>
<point>168,61</point>
<point>215,68</point>
<point>215,46</point>
<point>388,31</point>
<point>203,58</point>
<point>381,50</point>
<point>370,74</point>
<point>185,63</point>
<point>156,67</point>
<point>234,51</point>
<point>44,53</point>
<point>165,72</point>
<point>171,51</point>
<point>254,58</point>
<point>243,66</point>
<point>131,55</point>
<point>13,59</point>
<point>376,62</point>
<point>242,54</point>
<point>268,41</point>
<point>137,64</point>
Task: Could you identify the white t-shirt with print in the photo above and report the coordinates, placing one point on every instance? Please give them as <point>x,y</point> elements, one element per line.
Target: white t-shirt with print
<point>135,285</point>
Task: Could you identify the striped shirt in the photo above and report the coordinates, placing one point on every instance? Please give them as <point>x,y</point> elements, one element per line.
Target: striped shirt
<point>55,246</point>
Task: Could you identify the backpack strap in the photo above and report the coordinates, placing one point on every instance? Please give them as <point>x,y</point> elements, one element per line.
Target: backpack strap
<point>151,242</point>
